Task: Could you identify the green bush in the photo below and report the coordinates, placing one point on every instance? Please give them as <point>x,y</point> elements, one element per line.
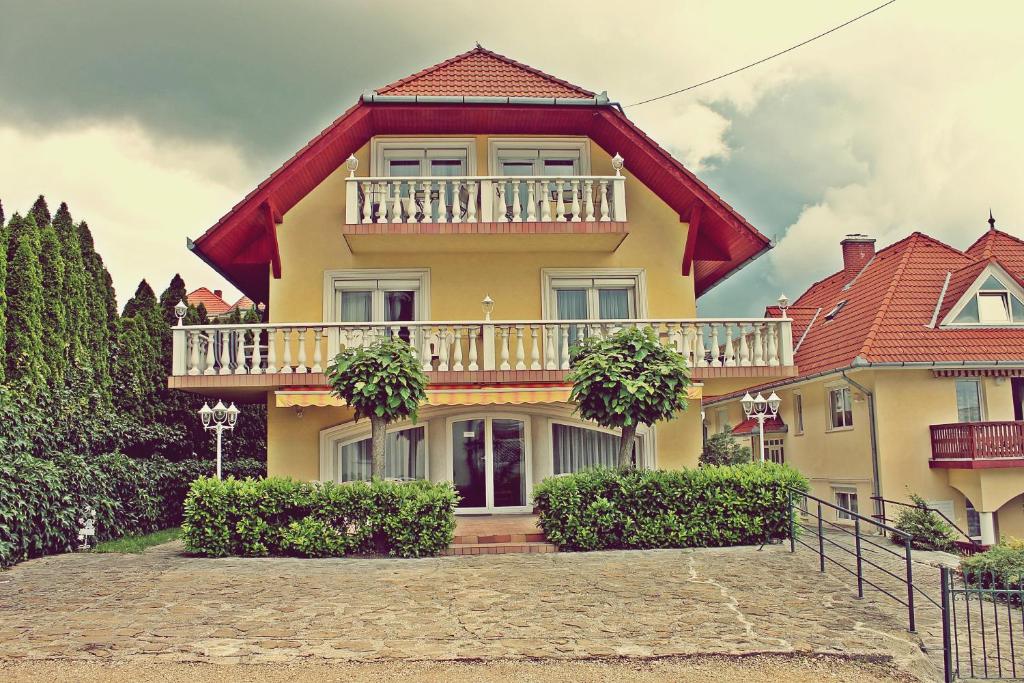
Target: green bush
<point>705,507</point>
<point>723,449</point>
<point>279,516</point>
<point>927,530</point>
<point>1001,566</point>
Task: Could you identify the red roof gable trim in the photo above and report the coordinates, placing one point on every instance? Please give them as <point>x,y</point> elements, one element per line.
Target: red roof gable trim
<point>495,75</point>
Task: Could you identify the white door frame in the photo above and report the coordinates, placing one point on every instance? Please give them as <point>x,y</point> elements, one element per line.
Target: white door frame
<point>488,418</point>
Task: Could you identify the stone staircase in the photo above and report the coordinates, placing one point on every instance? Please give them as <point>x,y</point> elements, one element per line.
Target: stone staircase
<point>497,535</point>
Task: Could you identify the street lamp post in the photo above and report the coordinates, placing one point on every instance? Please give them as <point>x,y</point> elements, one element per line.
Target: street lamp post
<point>219,418</point>
<point>760,409</point>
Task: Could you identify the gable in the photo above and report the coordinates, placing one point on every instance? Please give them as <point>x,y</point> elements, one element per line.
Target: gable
<point>993,298</point>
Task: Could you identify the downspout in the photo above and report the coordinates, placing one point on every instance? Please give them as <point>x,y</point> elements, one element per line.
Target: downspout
<point>876,479</point>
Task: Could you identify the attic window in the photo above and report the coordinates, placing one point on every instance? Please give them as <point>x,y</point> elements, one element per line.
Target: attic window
<point>835,311</point>
<point>992,304</point>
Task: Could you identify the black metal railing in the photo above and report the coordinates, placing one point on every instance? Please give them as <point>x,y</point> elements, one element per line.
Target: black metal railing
<point>982,625</point>
<point>862,542</point>
<point>965,545</point>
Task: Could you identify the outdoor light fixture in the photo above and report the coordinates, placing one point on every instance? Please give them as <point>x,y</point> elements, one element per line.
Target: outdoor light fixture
<point>488,306</point>
<point>617,163</point>
<point>219,418</point>
<point>760,408</point>
<point>180,309</point>
<point>352,164</point>
<point>783,304</point>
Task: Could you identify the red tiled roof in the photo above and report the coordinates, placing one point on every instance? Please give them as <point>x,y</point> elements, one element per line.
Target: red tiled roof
<point>998,244</point>
<point>773,425</point>
<point>244,304</point>
<point>213,303</point>
<point>481,72</point>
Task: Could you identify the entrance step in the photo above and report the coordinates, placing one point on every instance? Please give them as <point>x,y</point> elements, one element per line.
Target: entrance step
<point>492,548</point>
<point>491,538</point>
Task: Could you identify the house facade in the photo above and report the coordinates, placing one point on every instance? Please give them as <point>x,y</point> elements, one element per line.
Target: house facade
<point>490,215</point>
<point>911,380</point>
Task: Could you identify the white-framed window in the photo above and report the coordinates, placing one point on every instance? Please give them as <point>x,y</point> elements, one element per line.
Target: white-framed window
<point>973,521</point>
<point>539,156</point>
<point>774,449</point>
<point>798,414</point>
<point>995,299</point>
<point>840,408</point>
<point>576,447</point>
<point>374,295</point>
<point>598,294</point>
<point>347,453</point>
<point>968,400</point>
<point>422,157</point>
<point>723,420</point>
<point>846,498</point>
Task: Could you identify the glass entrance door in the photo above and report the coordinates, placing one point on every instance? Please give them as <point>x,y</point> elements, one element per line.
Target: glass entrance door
<point>489,463</point>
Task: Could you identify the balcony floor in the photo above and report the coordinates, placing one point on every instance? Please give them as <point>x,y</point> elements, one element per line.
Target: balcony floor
<point>593,236</point>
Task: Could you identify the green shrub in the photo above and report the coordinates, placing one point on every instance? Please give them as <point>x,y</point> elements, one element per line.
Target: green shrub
<point>704,507</point>
<point>723,449</point>
<point>927,530</point>
<point>278,516</point>
<point>1001,566</point>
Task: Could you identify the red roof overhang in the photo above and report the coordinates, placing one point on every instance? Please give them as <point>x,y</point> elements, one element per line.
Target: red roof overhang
<point>242,245</point>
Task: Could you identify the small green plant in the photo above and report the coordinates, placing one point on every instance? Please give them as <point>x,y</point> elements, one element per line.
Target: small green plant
<point>627,379</point>
<point>723,449</point>
<point>1001,566</point>
<point>927,530</point>
<point>382,381</point>
<point>135,543</point>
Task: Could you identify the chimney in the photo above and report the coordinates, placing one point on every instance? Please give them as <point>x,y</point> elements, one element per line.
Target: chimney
<point>219,293</point>
<point>857,251</point>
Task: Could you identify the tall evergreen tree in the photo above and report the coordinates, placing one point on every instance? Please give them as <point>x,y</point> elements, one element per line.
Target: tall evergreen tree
<point>102,313</point>
<point>3,292</point>
<point>74,290</point>
<point>54,320</point>
<point>40,211</point>
<point>24,340</point>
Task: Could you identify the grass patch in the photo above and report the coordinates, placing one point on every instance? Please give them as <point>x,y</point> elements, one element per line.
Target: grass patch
<point>136,544</point>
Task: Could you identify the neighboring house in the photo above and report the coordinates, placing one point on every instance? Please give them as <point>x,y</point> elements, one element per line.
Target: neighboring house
<point>911,381</point>
<point>480,210</point>
<point>216,307</point>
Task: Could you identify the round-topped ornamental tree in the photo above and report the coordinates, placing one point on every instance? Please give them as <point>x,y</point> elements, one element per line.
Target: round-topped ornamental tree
<point>382,381</point>
<point>626,379</point>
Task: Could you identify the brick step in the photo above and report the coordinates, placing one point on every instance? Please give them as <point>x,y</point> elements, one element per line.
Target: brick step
<point>499,548</point>
<point>489,539</point>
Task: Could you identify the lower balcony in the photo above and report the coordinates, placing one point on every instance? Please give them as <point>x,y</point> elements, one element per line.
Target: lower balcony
<point>978,445</point>
<point>249,359</point>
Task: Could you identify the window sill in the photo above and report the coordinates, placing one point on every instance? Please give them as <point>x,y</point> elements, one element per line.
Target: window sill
<point>829,430</point>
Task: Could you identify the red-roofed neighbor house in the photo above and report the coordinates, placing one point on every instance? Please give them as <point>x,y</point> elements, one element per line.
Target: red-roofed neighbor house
<point>479,179</point>
<point>911,380</point>
<point>216,307</point>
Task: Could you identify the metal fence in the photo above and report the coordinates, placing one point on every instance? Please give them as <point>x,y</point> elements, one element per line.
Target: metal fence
<point>982,626</point>
<point>965,544</point>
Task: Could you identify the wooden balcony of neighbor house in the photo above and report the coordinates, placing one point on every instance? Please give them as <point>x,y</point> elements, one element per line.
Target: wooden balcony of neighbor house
<point>234,360</point>
<point>978,445</point>
<point>477,213</point>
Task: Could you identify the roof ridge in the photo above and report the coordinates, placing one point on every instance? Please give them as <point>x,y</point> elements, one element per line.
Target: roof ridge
<point>912,243</point>
<point>480,50</point>
<point>989,236</point>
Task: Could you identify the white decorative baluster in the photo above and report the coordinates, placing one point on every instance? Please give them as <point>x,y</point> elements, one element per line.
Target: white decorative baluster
<point>715,346</point>
<point>225,357</point>
<point>517,206</point>
<point>545,202</point>
<point>442,201</point>
<point>536,331</point>
<point>575,201</point>
<point>396,201</point>
<point>317,357</point>
<point>367,203</point>
<point>560,201</point>
<point>271,351</point>
<point>588,198</point>
<point>410,203</point>
<point>471,339</point>
<point>428,202</point>
<point>425,355</point>
<point>602,187</point>
<point>456,201</point>
<point>744,352</point>
<point>700,351</point>
<point>758,348</point>
<point>773,345</point>
<point>504,331</point>
<point>442,349</point>
<point>501,208</point>
<point>730,347</point>
<point>240,352</point>
<point>520,351</point>
<point>194,338</point>
<point>689,340</point>
<point>457,351</point>
<point>563,333</point>
<point>471,202</point>
<point>286,363</point>
<point>531,201</point>
<point>255,359</point>
<point>301,357</point>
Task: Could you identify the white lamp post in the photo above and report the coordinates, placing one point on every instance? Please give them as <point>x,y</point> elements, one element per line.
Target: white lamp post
<point>219,418</point>
<point>760,409</point>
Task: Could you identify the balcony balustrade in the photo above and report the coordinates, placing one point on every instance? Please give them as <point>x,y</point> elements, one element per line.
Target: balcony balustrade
<point>530,345</point>
<point>963,444</point>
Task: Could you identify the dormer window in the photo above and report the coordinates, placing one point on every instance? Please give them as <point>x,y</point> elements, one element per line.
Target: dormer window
<point>831,315</point>
<point>995,299</point>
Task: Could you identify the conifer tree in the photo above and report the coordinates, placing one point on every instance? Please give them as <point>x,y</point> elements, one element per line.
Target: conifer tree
<point>54,319</point>
<point>3,291</point>
<point>102,313</point>
<point>76,304</point>
<point>202,315</point>
<point>40,211</point>
<point>24,342</point>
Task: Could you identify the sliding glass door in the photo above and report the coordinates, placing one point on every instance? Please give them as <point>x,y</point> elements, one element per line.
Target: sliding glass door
<point>489,463</point>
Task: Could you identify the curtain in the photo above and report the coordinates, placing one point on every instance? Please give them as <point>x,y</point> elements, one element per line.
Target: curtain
<point>579,448</point>
<point>356,306</point>
<point>572,305</point>
<point>403,457</point>
<point>613,304</point>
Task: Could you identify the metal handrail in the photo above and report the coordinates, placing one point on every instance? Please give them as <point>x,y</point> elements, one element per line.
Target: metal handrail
<point>929,508</point>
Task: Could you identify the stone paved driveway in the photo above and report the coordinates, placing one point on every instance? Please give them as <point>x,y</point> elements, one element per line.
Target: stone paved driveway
<point>162,605</point>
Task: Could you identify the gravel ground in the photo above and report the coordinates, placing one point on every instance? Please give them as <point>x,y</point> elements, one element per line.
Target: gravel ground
<point>775,668</point>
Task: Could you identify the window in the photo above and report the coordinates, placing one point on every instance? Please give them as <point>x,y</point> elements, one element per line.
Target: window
<point>723,420</point>
<point>404,456</point>
<point>539,158</point>
<point>798,414</point>
<point>993,304</point>
<point>835,311</point>
<point>773,450</point>
<point>587,295</point>
<point>579,448</point>
<point>973,521</point>
<point>968,400</point>
<point>846,499</point>
<point>840,408</point>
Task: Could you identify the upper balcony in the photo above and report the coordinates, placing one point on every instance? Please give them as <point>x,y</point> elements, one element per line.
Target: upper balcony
<point>250,359</point>
<point>537,211</point>
<point>978,445</point>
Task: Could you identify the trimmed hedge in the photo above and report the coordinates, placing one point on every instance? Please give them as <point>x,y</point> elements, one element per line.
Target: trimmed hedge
<point>999,567</point>
<point>41,500</point>
<point>705,507</point>
<point>279,516</point>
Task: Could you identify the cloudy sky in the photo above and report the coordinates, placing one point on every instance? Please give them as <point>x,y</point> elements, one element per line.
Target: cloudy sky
<point>151,119</point>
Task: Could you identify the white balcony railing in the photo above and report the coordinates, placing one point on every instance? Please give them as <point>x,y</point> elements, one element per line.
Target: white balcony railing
<point>284,348</point>
<point>485,199</point>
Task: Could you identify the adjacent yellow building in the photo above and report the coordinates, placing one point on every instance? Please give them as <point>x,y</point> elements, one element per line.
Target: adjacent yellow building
<point>490,215</point>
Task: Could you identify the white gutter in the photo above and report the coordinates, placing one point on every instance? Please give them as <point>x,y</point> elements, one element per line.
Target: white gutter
<point>595,101</point>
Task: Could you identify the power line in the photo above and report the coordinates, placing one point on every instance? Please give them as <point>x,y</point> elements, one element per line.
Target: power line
<point>762,61</point>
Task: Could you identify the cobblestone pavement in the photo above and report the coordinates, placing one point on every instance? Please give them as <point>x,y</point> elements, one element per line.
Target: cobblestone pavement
<point>164,606</point>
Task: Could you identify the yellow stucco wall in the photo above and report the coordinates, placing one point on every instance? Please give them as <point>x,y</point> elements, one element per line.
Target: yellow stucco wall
<point>311,243</point>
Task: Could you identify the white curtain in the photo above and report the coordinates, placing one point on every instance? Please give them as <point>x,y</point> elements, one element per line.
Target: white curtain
<point>356,306</point>
<point>403,457</point>
<point>579,448</point>
<point>613,304</point>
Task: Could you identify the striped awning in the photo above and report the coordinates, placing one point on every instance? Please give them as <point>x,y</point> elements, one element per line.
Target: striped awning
<point>978,372</point>
<point>510,395</point>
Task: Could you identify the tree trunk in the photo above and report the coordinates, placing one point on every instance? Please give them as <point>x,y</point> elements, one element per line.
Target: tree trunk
<point>378,425</point>
<point>626,447</point>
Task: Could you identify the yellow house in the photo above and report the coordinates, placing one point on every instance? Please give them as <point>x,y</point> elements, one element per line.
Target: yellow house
<point>911,381</point>
<point>490,215</point>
